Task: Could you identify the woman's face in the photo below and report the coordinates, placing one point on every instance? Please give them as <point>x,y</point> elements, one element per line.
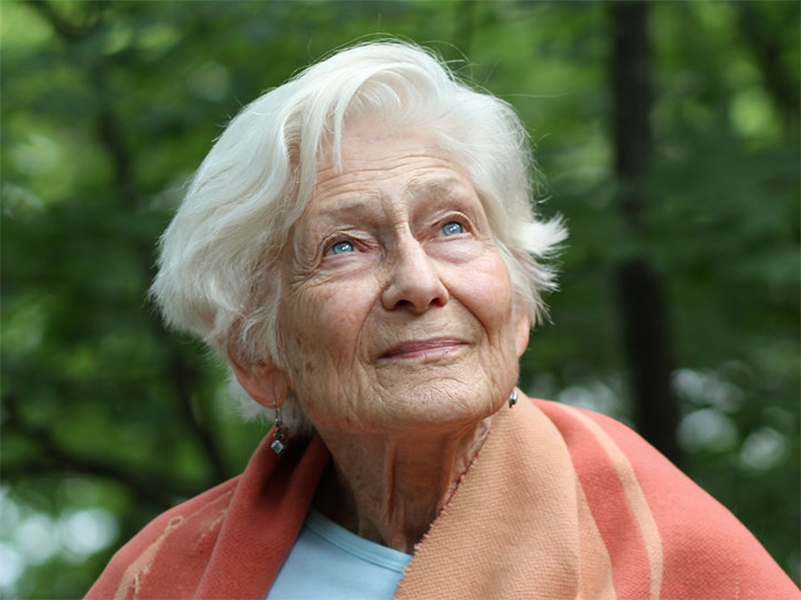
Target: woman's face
<point>397,312</point>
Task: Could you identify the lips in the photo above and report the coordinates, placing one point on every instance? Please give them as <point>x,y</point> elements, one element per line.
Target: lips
<point>428,348</point>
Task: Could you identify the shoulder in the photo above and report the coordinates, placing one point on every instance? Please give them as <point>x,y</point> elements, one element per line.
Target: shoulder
<point>705,550</point>
<point>196,518</point>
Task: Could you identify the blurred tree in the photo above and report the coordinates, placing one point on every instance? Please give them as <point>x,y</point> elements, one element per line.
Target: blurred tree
<point>642,306</point>
<point>108,107</point>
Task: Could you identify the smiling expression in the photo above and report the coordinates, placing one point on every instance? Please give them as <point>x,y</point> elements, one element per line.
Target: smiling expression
<point>397,311</point>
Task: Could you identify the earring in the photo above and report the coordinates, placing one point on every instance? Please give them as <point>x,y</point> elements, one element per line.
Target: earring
<point>279,445</point>
<point>512,398</point>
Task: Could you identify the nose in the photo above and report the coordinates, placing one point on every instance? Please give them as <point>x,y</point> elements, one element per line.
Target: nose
<point>414,282</point>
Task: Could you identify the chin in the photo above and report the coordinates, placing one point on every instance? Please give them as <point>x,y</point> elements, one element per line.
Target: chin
<point>440,409</point>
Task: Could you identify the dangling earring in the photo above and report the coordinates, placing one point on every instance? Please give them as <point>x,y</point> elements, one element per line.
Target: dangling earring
<point>512,398</point>
<point>278,446</point>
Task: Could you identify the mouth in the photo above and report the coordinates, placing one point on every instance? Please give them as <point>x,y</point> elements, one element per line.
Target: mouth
<point>429,349</point>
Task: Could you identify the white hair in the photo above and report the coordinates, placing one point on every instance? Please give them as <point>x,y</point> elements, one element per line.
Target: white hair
<point>218,275</point>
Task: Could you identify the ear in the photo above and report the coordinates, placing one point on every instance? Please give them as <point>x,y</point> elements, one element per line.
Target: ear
<point>522,331</point>
<point>263,381</point>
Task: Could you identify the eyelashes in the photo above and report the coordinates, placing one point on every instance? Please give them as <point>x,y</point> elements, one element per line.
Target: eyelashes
<point>450,226</point>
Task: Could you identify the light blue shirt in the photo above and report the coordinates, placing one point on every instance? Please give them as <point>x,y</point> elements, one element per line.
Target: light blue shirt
<point>328,562</point>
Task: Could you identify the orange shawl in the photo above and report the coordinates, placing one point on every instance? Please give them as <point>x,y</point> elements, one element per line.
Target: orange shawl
<point>560,503</point>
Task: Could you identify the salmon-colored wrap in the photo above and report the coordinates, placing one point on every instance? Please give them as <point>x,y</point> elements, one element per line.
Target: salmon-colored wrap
<point>560,503</point>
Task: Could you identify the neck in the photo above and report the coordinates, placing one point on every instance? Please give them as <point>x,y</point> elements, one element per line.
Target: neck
<point>389,488</point>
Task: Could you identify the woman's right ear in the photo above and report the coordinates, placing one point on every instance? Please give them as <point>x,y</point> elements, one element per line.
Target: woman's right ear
<point>263,381</point>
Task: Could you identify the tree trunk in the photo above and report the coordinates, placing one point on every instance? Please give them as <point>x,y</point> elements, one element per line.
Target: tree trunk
<point>643,309</point>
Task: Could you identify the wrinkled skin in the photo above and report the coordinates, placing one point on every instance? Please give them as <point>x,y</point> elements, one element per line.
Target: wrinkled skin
<point>399,330</point>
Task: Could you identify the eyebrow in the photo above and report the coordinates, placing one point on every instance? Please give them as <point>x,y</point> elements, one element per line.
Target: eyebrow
<point>436,184</point>
<point>364,203</point>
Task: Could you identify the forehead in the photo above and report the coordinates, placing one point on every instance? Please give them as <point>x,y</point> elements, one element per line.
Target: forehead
<point>374,164</point>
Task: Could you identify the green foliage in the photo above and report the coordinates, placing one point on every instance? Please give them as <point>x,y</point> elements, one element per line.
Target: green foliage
<point>109,107</point>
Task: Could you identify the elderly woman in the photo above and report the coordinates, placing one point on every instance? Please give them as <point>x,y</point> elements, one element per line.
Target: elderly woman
<point>360,245</point>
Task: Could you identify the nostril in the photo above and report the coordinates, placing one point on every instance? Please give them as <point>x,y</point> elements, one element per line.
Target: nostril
<point>415,294</point>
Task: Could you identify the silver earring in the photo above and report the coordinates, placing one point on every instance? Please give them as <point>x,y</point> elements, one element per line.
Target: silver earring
<point>512,398</point>
<point>279,445</point>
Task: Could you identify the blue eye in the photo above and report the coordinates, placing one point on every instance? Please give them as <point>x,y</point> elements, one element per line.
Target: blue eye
<point>452,228</point>
<point>341,247</point>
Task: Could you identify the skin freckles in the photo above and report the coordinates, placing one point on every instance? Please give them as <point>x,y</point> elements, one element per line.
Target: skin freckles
<point>401,280</point>
<point>398,327</point>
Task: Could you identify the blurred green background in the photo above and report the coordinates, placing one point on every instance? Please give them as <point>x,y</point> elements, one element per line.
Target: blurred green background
<point>684,265</point>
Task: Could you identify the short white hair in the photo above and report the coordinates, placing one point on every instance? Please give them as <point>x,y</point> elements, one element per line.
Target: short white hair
<point>218,274</point>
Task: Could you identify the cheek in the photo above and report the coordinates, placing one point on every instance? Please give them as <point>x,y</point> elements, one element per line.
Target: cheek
<point>487,292</point>
<point>322,325</point>
<point>323,353</point>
